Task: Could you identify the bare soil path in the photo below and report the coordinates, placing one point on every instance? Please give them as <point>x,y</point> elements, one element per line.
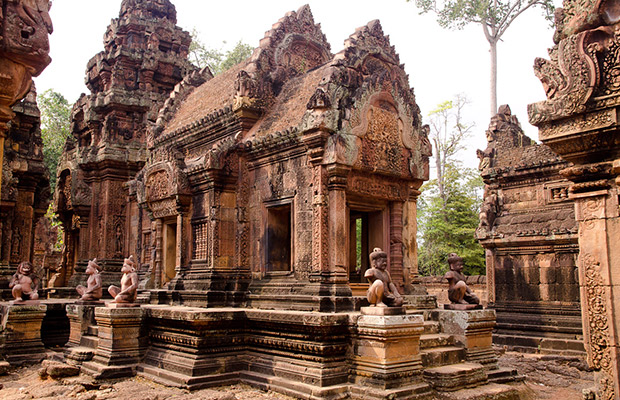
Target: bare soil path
<point>547,377</point>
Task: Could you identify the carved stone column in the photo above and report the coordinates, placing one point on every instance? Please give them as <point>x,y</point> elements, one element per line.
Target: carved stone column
<point>599,262</point>
<point>579,121</point>
<point>409,237</point>
<point>315,141</point>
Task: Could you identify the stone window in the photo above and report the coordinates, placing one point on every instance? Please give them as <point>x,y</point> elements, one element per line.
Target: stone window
<point>279,238</point>
<point>146,247</point>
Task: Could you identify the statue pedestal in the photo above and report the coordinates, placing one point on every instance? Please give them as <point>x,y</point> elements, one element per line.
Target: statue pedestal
<point>20,332</point>
<point>386,361</point>
<point>474,330</point>
<point>374,310</point>
<point>462,307</point>
<point>118,347</point>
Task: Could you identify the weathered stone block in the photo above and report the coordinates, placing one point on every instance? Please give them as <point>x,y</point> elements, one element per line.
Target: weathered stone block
<point>118,349</point>
<point>20,341</point>
<point>473,329</point>
<point>386,351</point>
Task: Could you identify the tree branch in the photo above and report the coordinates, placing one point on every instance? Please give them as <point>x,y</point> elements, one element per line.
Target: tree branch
<point>511,19</point>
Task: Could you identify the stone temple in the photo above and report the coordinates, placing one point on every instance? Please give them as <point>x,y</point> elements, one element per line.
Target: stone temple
<point>242,208</point>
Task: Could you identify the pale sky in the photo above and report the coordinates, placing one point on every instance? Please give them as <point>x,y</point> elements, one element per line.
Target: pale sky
<point>440,62</point>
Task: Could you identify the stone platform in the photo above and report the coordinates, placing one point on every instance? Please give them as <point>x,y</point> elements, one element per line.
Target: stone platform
<point>418,355</point>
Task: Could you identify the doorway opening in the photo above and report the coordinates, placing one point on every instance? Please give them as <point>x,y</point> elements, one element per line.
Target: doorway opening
<point>279,239</point>
<point>366,231</point>
<point>169,259</point>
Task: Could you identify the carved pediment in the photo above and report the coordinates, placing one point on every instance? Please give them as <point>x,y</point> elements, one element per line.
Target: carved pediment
<point>164,180</point>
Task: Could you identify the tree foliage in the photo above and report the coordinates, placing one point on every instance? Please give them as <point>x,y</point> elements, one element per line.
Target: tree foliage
<point>217,60</point>
<point>450,204</point>
<point>495,17</point>
<point>55,128</point>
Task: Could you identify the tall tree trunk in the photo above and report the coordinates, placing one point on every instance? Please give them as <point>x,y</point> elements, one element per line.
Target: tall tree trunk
<point>438,164</point>
<point>493,86</point>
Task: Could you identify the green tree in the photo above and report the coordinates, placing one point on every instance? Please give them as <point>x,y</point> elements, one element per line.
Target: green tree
<point>55,128</point>
<point>494,16</point>
<point>450,204</point>
<point>217,60</point>
<point>239,53</point>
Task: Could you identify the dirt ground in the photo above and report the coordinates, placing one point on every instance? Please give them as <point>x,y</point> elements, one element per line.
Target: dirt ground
<point>551,377</point>
<point>546,378</point>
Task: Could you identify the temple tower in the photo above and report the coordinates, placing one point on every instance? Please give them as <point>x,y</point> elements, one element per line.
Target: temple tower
<point>144,57</point>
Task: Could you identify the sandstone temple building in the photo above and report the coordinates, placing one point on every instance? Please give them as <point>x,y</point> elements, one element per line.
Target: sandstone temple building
<point>529,232</point>
<point>253,181</point>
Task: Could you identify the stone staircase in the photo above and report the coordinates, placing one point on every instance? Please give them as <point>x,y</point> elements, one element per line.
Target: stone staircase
<point>78,353</point>
<point>445,365</point>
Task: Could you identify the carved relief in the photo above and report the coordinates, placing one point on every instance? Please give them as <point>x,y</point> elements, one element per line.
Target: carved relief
<point>164,208</point>
<point>384,124</point>
<point>66,191</point>
<point>568,78</point>
<point>591,121</point>
<point>82,194</point>
<point>300,56</point>
<point>158,186</point>
<point>119,237</point>
<point>371,186</point>
<point>591,209</point>
<point>610,68</point>
<point>599,350</point>
<point>26,28</point>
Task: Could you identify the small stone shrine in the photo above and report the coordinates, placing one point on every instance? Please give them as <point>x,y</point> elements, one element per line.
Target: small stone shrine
<point>528,230</point>
<point>579,122</point>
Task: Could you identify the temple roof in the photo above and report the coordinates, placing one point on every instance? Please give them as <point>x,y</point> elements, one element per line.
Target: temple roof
<point>213,95</point>
<point>292,65</point>
<point>290,106</point>
<point>294,46</point>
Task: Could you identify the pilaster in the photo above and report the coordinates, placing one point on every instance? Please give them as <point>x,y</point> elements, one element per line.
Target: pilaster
<point>599,227</point>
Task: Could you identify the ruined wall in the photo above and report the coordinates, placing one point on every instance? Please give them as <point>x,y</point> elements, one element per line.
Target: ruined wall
<point>528,230</point>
